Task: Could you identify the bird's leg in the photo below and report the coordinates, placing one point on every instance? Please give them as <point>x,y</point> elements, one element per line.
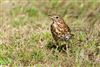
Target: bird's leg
<point>66,46</point>
<point>57,45</point>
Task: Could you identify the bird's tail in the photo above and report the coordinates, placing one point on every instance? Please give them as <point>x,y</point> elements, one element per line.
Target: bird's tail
<point>72,35</point>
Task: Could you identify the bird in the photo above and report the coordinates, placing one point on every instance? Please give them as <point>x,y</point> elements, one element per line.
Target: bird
<point>59,29</point>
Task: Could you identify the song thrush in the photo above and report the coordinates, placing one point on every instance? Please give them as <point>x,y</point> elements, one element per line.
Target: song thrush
<point>60,31</point>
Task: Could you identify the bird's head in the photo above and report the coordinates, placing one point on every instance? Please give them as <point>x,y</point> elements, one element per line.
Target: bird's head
<point>56,18</point>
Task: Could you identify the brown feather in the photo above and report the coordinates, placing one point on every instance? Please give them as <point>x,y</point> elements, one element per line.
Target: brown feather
<point>60,30</point>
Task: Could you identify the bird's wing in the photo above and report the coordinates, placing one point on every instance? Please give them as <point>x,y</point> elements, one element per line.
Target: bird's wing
<point>64,28</point>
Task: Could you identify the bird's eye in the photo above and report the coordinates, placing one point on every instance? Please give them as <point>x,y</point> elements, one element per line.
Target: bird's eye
<point>56,17</point>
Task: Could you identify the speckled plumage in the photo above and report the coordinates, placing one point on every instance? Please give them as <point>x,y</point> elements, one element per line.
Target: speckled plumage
<point>60,30</point>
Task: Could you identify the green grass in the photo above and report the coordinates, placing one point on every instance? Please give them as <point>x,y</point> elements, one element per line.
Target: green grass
<point>26,40</point>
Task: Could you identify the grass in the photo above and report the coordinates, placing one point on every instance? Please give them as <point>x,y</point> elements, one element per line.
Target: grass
<point>26,40</point>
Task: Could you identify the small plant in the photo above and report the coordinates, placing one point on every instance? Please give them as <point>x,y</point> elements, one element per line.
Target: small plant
<point>37,55</point>
<point>31,11</point>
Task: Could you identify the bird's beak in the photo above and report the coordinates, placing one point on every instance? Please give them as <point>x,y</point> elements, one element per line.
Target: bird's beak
<point>51,16</point>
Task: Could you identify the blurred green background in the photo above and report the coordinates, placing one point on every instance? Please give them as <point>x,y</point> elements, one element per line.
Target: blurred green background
<point>25,36</point>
